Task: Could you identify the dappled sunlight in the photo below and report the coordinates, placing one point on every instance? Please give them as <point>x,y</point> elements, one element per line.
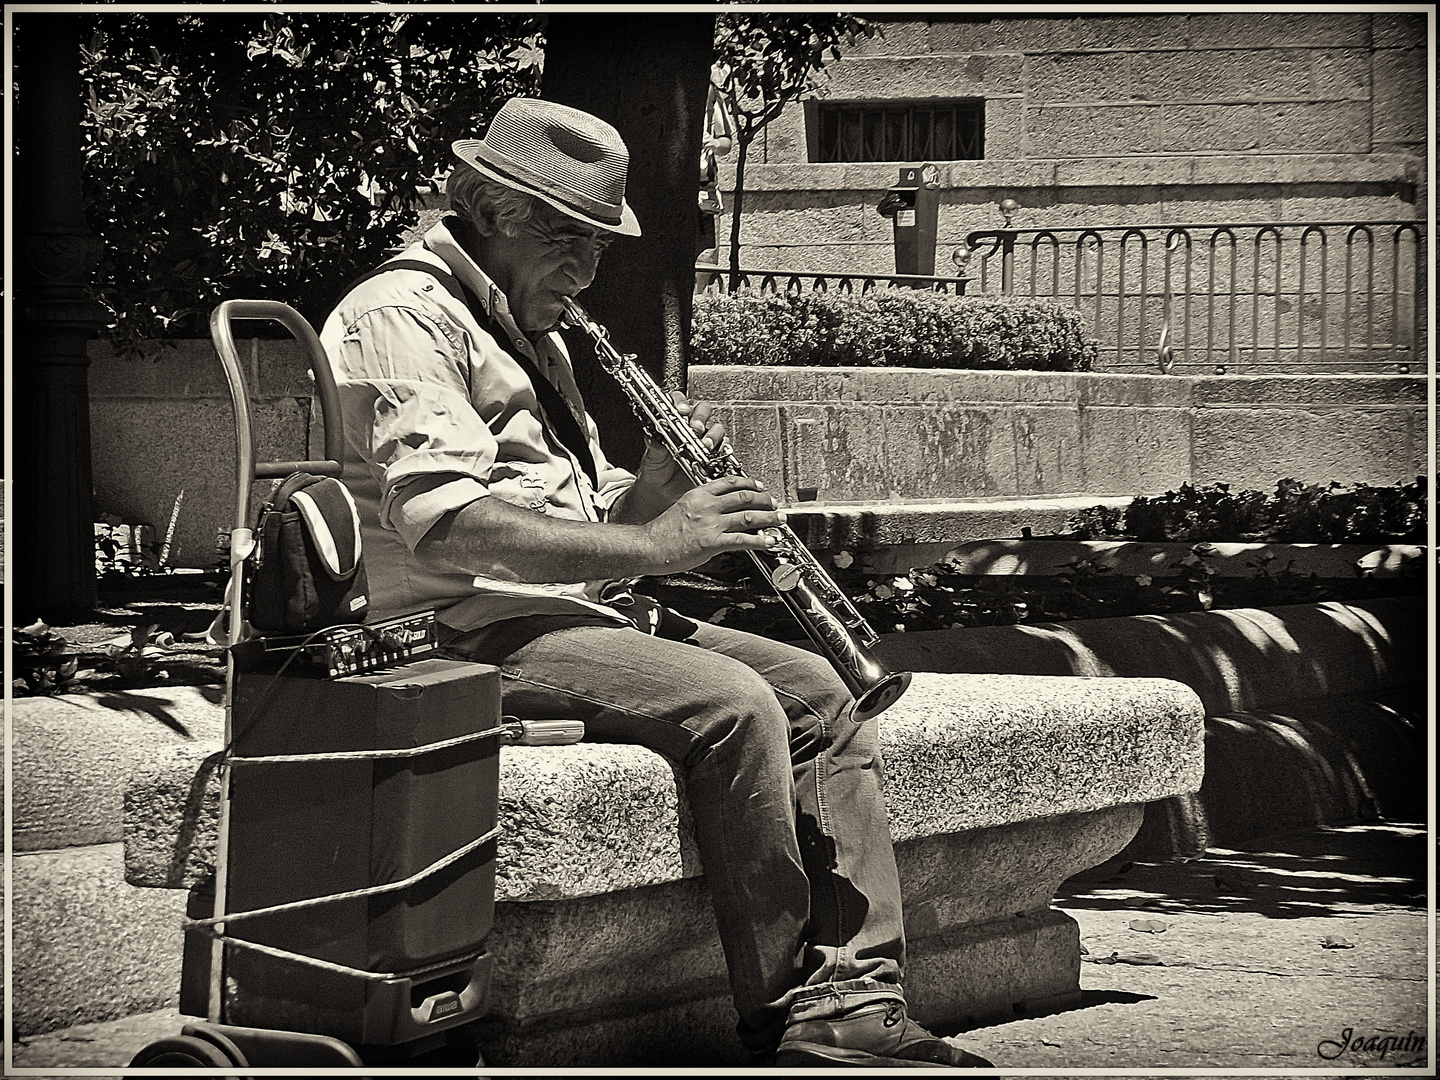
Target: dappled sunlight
<point>1083,660</point>
<point>1349,762</point>
<point>1367,628</point>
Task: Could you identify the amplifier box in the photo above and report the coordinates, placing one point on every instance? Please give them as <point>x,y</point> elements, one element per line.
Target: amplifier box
<point>306,829</point>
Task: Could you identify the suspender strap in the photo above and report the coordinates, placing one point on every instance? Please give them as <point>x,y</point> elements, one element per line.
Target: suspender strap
<point>560,417</point>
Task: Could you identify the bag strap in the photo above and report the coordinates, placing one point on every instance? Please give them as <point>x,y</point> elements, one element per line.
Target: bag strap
<point>556,410</point>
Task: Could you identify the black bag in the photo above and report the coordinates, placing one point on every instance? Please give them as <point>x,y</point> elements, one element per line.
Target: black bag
<point>307,571</point>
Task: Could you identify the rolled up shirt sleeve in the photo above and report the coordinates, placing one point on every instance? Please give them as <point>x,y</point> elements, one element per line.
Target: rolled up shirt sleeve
<point>427,447</point>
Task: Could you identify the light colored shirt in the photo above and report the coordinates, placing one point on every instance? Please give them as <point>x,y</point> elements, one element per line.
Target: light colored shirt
<point>438,415</point>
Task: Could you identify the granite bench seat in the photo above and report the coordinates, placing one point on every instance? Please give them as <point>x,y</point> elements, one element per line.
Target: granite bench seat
<point>999,788</point>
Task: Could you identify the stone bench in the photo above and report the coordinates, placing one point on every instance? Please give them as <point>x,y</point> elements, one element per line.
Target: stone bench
<point>1000,787</point>
<point>1315,713</point>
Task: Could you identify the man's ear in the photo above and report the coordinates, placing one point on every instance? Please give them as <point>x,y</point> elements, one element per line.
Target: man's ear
<point>484,223</point>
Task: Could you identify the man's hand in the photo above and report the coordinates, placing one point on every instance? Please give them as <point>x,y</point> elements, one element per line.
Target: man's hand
<point>659,480</point>
<point>723,515</point>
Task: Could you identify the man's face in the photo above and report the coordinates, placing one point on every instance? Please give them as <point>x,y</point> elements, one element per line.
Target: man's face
<point>552,256</point>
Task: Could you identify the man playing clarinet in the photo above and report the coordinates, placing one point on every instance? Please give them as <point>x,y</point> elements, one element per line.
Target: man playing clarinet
<point>484,494</point>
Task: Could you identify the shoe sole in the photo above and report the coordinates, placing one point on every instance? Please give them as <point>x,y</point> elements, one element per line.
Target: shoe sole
<point>803,1054</point>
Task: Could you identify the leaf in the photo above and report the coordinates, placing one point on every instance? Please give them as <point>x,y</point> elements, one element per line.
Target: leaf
<point>1140,901</point>
<point>1149,926</point>
<point>1335,941</point>
<point>1139,959</point>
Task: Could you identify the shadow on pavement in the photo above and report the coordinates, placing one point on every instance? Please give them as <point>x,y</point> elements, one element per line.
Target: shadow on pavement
<point>1314,872</point>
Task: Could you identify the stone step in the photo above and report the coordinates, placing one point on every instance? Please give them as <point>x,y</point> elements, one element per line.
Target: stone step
<point>73,754</point>
<point>86,945</point>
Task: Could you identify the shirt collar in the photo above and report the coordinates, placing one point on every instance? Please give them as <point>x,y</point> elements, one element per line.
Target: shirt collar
<point>439,239</point>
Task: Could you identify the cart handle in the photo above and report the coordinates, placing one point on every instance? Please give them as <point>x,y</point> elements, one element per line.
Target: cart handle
<point>247,470</point>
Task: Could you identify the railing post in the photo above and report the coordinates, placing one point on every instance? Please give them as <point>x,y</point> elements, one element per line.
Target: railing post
<point>1007,251</point>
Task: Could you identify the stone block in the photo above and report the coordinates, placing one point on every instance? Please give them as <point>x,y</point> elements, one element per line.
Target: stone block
<point>145,450</point>
<point>852,468</point>
<point>185,368</point>
<point>1220,75</point>
<point>981,940</point>
<point>956,451</point>
<point>1047,450</point>
<point>1004,129</point>
<point>85,946</point>
<point>1314,446</point>
<point>1398,29</point>
<point>784,138</point>
<point>1354,392</point>
<point>1400,112</point>
<point>1337,74</point>
<point>1039,761</point>
<point>1136,172</point>
<point>1108,446</point>
<point>1076,77</point>
<point>1086,131</point>
<point>975,75</point>
<point>1209,127</point>
<point>1395,202</point>
<point>1328,126</point>
<point>1005,34</point>
<point>1163,438</point>
<point>900,35</point>
<point>1237,30</point>
<point>1131,31</point>
<point>72,754</point>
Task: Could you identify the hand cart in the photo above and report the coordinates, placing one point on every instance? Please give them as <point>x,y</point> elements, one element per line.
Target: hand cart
<point>257,968</point>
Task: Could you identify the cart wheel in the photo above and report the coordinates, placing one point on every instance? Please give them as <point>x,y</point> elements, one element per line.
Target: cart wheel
<point>208,1034</point>
<point>182,1052</point>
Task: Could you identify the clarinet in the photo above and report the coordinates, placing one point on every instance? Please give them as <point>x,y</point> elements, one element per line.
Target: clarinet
<point>832,622</point>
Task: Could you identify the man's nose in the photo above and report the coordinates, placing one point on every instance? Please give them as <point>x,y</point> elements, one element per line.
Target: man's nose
<point>582,265</point>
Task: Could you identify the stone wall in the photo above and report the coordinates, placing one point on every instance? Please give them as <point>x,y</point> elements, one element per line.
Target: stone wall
<point>867,435</point>
<point>1109,120</point>
<point>163,423</point>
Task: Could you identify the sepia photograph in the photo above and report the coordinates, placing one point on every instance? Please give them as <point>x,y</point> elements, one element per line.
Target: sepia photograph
<point>552,539</point>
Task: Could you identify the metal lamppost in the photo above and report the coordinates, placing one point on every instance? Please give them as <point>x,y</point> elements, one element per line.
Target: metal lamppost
<point>55,256</point>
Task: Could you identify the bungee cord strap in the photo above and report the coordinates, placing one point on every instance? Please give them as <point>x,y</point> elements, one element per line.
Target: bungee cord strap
<point>352,894</point>
<point>358,755</point>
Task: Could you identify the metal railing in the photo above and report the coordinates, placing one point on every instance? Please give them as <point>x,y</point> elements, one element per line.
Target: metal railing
<point>1228,298</point>
<point>791,282</point>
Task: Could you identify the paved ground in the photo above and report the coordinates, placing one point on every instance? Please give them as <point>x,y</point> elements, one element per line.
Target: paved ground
<point>1308,953</point>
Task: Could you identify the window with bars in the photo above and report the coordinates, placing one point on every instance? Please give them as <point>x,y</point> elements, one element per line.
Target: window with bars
<point>900,131</point>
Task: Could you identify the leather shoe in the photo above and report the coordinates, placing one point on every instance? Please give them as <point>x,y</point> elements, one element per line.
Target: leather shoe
<point>875,1033</point>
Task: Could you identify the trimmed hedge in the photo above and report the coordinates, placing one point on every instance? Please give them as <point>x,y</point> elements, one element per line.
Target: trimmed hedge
<point>893,327</point>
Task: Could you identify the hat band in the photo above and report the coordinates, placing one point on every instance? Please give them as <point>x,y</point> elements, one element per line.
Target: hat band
<point>609,213</point>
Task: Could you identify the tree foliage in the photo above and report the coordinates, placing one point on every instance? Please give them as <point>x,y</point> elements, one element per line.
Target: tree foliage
<point>774,60</point>
<point>274,155</point>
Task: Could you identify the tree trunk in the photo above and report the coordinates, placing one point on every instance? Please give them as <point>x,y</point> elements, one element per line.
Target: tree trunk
<point>646,74</point>
<point>737,204</point>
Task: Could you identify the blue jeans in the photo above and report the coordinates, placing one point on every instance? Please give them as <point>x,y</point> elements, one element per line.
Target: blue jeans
<point>784,788</point>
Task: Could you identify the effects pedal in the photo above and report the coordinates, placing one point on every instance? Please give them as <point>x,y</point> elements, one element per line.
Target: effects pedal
<point>343,650</point>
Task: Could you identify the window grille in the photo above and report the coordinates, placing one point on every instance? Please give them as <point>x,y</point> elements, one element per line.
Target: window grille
<point>901,131</point>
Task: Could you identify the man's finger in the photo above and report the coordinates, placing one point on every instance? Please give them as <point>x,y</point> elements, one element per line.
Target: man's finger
<point>753,520</point>
<point>724,484</point>
<point>735,501</point>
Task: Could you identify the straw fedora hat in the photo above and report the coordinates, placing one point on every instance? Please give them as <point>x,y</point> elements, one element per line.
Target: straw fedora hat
<point>574,161</point>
